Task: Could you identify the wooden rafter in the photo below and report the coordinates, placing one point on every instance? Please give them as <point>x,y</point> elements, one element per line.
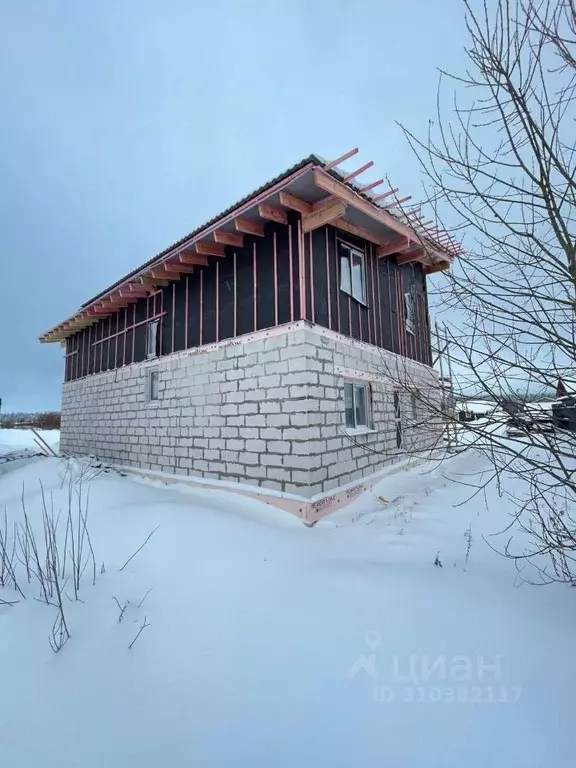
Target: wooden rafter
<point>341,159</point>
<point>159,272</point>
<point>210,249</point>
<point>366,187</point>
<point>229,238</point>
<point>437,267</point>
<point>249,227</point>
<point>194,259</point>
<point>296,203</point>
<point>323,216</point>
<point>377,198</point>
<point>354,229</point>
<point>178,268</point>
<point>357,172</point>
<point>397,202</point>
<point>411,256</point>
<point>398,245</point>
<point>271,213</point>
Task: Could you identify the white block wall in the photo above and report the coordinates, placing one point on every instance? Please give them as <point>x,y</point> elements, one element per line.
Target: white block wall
<point>266,409</point>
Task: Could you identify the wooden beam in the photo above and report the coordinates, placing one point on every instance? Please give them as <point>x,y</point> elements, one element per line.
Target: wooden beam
<point>408,258</point>
<point>386,194</point>
<point>161,273</point>
<point>354,229</point>
<point>439,267</point>
<point>193,258</point>
<point>133,295</point>
<point>249,227</point>
<point>366,187</point>
<point>398,245</point>
<point>272,214</point>
<point>350,197</point>
<point>296,203</point>
<point>178,268</point>
<point>151,285</point>
<point>397,202</point>
<point>210,249</point>
<point>229,238</point>
<point>341,159</point>
<point>324,216</point>
<point>357,172</point>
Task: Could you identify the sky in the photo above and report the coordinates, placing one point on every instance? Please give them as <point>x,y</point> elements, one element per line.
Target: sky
<point>124,125</point>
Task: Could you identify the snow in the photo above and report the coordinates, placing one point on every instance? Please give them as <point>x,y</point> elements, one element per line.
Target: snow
<point>12,440</point>
<point>275,644</point>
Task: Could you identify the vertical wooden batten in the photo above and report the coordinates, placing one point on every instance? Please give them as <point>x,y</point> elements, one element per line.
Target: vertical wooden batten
<point>276,295</point>
<point>311,280</point>
<point>201,306</point>
<point>328,296</point>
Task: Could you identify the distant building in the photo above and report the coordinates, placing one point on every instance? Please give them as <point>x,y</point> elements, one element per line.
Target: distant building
<point>252,350</point>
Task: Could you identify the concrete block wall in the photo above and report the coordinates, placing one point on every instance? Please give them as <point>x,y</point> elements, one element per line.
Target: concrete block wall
<point>265,409</point>
<point>345,456</point>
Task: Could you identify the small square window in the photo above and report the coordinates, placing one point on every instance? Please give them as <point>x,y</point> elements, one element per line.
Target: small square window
<point>352,273</point>
<point>152,339</point>
<point>357,405</point>
<point>153,388</point>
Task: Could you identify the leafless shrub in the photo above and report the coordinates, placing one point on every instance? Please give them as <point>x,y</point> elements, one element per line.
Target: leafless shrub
<point>499,163</point>
<point>48,559</point>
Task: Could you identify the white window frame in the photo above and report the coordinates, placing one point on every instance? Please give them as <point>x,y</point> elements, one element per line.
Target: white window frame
<point>152,331</point>
<point>365,387</point>
<point>409,312</point>
<point>347,274</point>
<point>152,373</point>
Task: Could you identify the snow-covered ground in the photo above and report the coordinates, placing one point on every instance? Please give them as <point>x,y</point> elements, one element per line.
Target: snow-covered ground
<point>16,440</point>
<point>272,644</point>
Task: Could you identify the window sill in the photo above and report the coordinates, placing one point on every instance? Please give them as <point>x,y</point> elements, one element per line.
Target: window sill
<point>153,404</point>
<point>354,432</point>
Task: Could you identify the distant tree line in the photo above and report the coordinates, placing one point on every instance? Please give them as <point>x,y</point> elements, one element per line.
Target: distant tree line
<point>45,420</point>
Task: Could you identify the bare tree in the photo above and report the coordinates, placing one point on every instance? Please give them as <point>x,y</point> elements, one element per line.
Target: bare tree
<point>499,164</point>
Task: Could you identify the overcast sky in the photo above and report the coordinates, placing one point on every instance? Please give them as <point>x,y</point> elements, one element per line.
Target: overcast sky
<point>124,125</point>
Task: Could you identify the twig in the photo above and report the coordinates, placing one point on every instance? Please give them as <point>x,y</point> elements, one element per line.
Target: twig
<point>142,628</point>
<point>140,547</point>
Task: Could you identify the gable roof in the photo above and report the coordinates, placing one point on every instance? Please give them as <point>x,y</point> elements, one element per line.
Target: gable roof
<point>305,190</point>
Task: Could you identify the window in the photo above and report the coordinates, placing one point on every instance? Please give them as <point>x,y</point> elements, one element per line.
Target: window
<point>352,275</point>
<point>357,405</point>
<point>398,419</point>
<point>414,403</point>
<point>152,339</point>
<point>153,390</point>
<point>409,318</point>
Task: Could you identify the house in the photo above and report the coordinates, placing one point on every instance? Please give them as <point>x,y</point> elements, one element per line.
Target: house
<point>267,350</point>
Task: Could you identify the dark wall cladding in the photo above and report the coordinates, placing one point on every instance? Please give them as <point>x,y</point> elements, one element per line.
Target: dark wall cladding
<point>258,286</point>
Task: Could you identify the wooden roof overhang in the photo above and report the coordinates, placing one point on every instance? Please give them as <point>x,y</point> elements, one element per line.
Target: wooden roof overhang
<point>321,194</point>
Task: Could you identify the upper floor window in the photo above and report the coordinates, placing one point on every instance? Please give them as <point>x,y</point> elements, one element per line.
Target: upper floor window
<point>352,272</point>
<point>409,314</point>
<point>152,338</point>
<point>398,419</point>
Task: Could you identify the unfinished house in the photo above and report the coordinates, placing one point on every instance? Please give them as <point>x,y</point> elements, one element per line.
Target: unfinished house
<point>269,350</point>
